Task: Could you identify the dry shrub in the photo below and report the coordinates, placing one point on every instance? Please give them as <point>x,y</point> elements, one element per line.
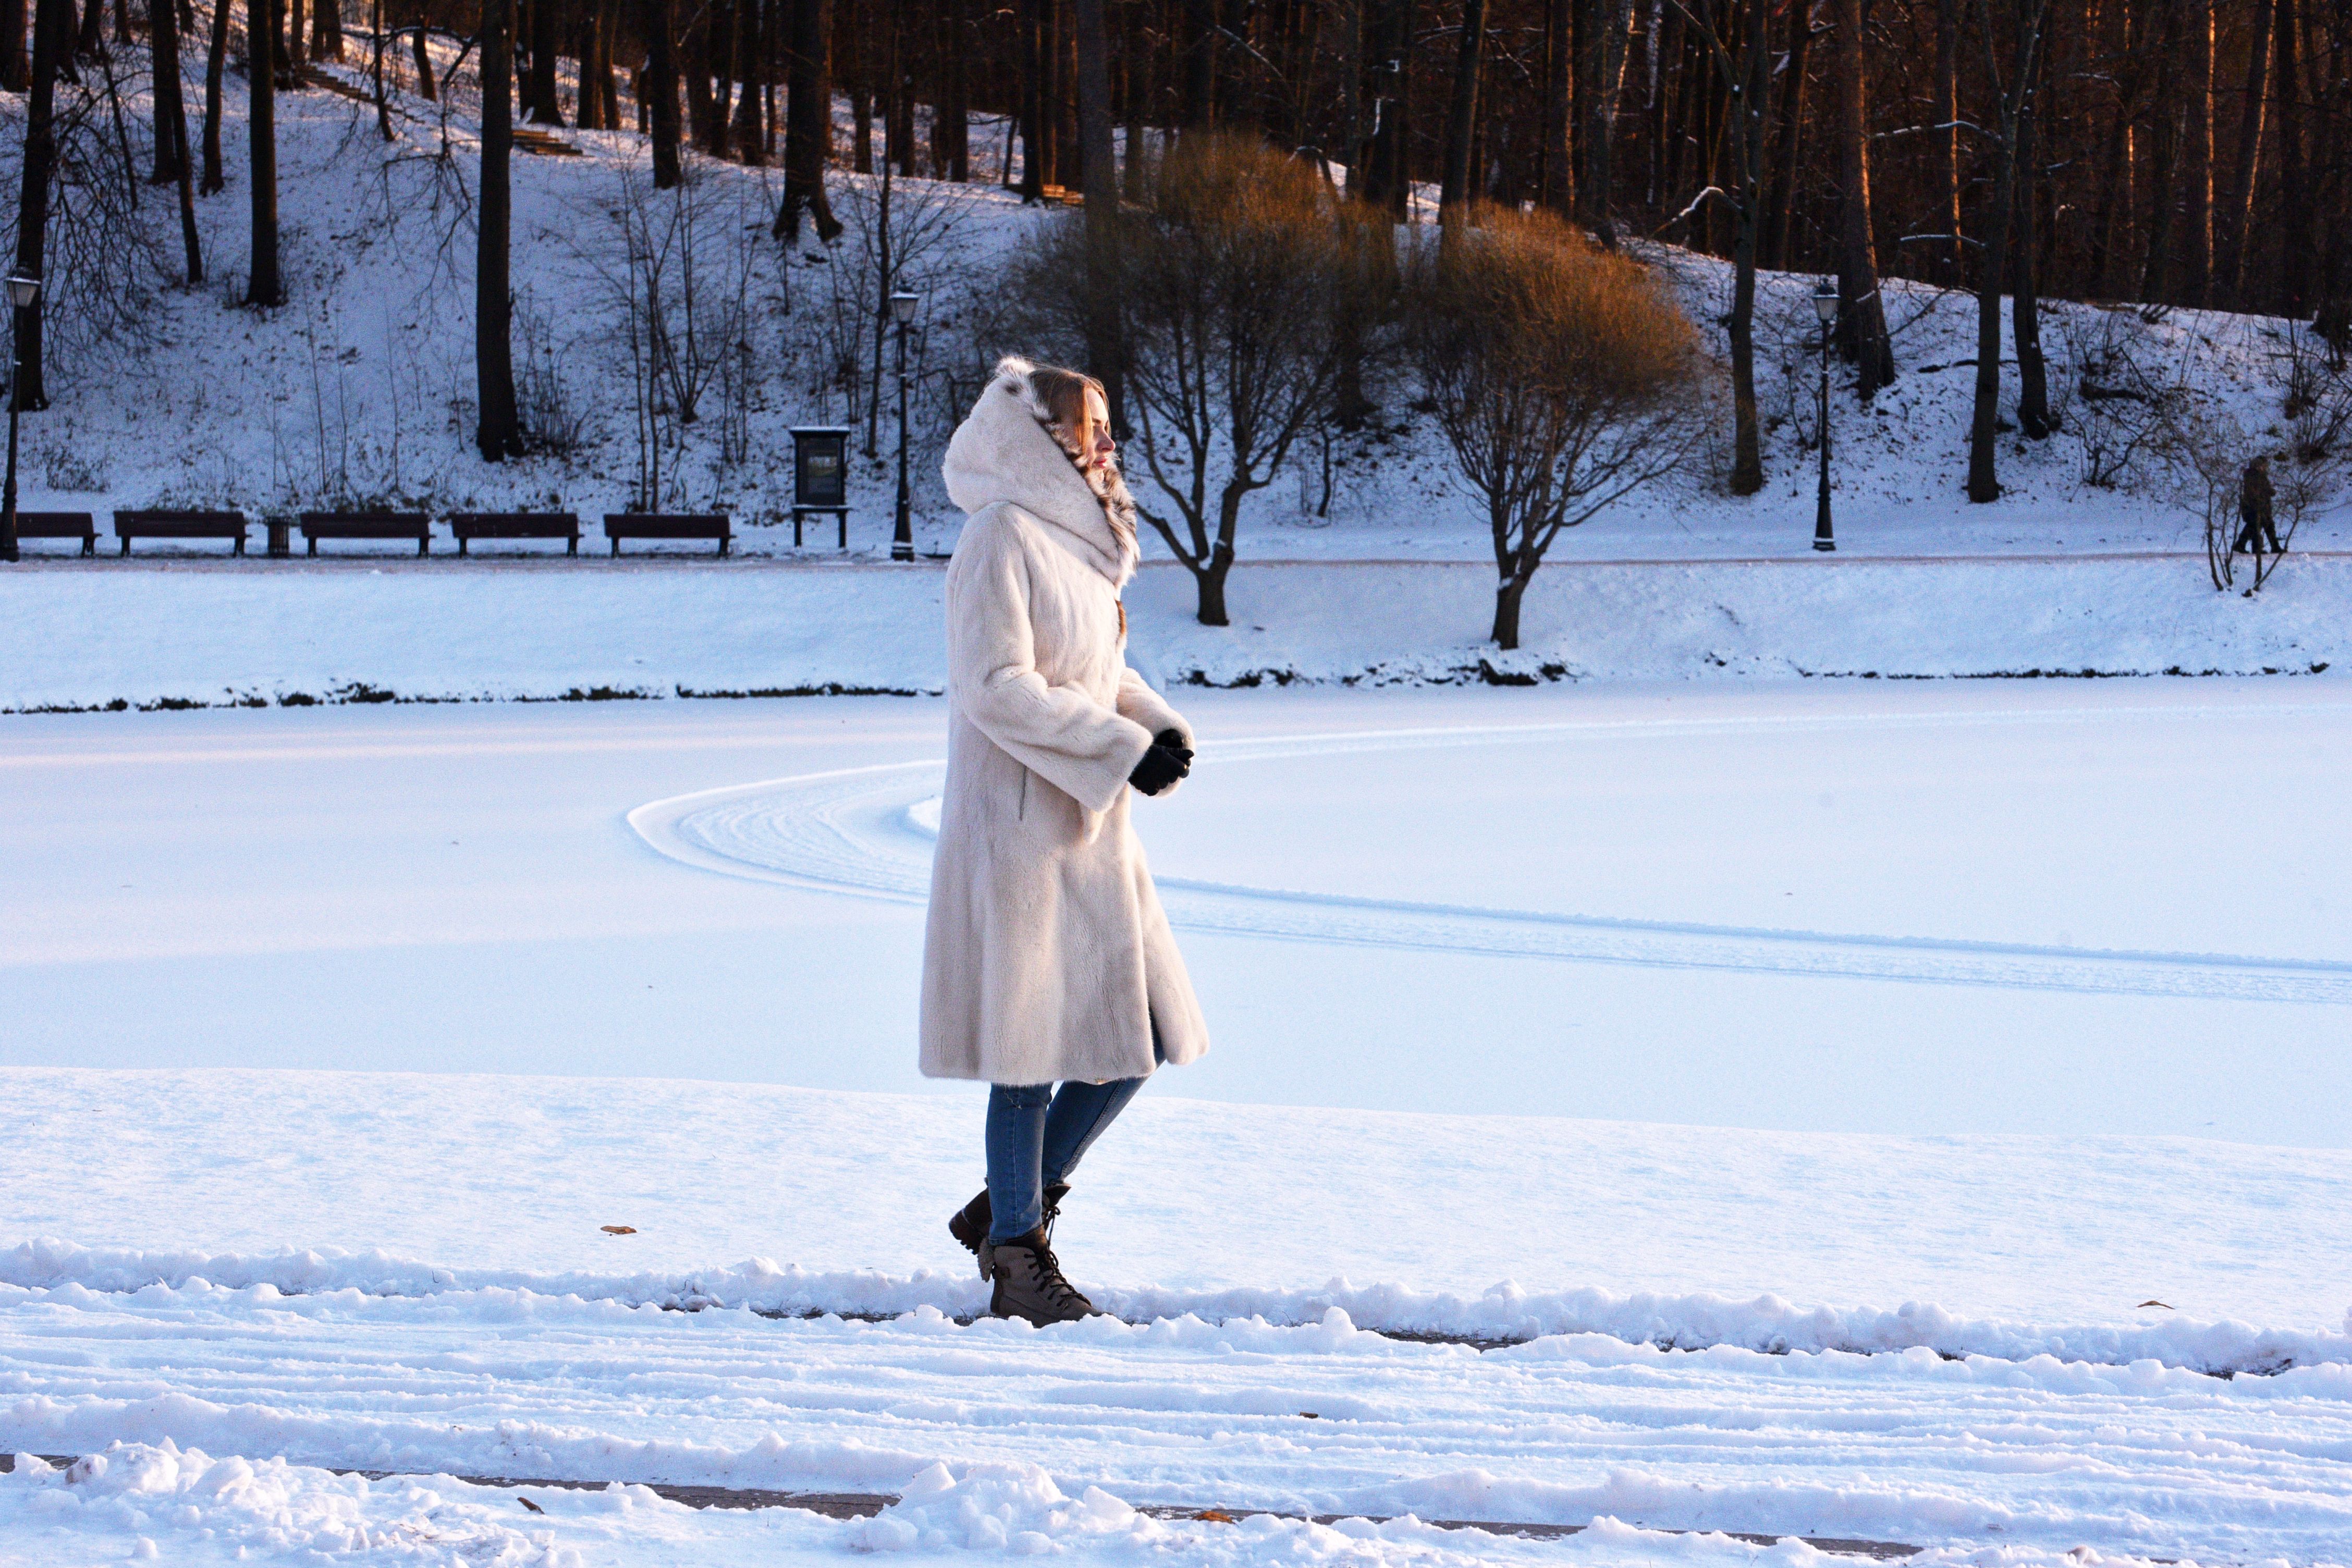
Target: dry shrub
<point>1563,376</point>
<point>1244,300</point>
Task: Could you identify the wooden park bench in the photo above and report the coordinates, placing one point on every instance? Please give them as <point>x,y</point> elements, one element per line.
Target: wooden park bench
<point>620,525</point>
<point>130,525</point>
<point>416,525</point>
<point>60,525</point>
<point>472,525</point>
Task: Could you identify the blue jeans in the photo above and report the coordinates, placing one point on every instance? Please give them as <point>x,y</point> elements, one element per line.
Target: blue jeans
<point>1036,1135</point>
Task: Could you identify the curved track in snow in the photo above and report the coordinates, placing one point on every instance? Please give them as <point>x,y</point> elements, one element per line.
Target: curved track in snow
<point>868,831</point>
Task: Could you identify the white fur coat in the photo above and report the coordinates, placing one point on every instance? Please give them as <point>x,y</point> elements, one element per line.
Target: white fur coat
<point>1047,955</point>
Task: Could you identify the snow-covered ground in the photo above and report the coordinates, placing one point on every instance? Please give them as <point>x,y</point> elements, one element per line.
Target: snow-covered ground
<point>72,636</point>
<point>1758,1050</point>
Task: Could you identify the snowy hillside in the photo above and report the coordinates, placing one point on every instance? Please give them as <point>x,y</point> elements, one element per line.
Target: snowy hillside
<point>360,389</point>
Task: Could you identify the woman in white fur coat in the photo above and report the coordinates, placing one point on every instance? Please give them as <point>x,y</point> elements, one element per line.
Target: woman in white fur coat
<point>1047,956</point>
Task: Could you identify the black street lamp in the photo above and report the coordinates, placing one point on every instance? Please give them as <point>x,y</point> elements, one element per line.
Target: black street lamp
<point>1825,305</point>
<point>22,292</point>
<point>902,537</point>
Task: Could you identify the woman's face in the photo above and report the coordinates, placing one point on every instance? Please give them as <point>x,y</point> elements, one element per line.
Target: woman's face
<point>1096,448</point>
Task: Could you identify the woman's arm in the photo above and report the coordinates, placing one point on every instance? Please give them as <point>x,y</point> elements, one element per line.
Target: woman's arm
<point>1147,708</point>
<point>1075,743</point>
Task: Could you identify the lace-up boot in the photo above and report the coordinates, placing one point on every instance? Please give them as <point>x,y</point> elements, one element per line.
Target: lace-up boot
<point>970,1223</point>
<point>1029,1283</point>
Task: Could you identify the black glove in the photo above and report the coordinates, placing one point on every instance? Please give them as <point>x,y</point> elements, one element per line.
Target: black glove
<point>1167,760</point>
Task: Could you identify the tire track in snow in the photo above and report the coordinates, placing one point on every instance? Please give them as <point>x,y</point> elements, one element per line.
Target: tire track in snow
<point>868,831</point>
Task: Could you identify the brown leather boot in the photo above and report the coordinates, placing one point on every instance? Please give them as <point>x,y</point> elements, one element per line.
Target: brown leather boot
<point>970,1223</point>
<point>1029,1283</point>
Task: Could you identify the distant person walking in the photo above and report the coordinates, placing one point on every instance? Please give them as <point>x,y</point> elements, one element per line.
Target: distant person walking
<point>1047,956</point>
<point>2256,531</point>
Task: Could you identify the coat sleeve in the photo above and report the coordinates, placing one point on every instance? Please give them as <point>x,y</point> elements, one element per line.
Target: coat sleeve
<point>1074,742</point>
<point>1147,708</point>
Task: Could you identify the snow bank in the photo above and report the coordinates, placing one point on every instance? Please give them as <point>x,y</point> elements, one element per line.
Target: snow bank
<point>1505,1313</point>
<point>161,1496</point>
<point>75,634</point>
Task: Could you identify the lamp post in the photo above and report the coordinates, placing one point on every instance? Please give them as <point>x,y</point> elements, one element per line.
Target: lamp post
<point>902,537</point>
<point>1825,305</point>
<point>22,292</point>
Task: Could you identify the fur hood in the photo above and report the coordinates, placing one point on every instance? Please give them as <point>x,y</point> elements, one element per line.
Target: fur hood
<point>1003,452</point>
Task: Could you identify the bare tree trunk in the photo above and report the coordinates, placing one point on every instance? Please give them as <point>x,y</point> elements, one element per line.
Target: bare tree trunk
<point>15,66</point>
<point>1862,314</point>
<point>2156,273</point>
<point>496,433</point>
<point>376,69</point>
<point>1052,94</point>
<point>955,106</point>
<point>588,104</point>
<point>2292,299</point>
<point>1200,18</point>
<point>545,108</point>
<point>1788,140</point>
<point>327,30</point>
<point>1559,190</point>
<point>425,89</point>
<point>263,285</point>
<point>1031,17</point>
<point>1106,353</point>
<point>1947,137</point>
<point>2197,176</point>
<point>215,62</point>
<point>170,111</point>
<point>750,137</point>
<point>808,120</point>
<point>1389,183</point>
<point>2025,305</point>
<point>715,66</point>
<point>171,160</point>
<point>1984,423</point>
<point>661,87</point>
<point>1456,190</point>
<point>53,40</point>
<point>1748,105</point>
<point>2237,204</point>
<point>93,32</point>
<point>1600,57</point>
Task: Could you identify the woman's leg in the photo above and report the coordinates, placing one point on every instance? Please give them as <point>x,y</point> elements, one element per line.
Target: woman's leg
<point>1081,1111</point>
<point>1016,1137</point>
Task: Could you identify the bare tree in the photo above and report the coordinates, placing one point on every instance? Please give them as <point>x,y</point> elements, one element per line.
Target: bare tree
<point>2030,19</point>
<point>808,120</point>
<point>661,86</point>
<point>15,66</point>
<point>497,432</point>
<point>1862,312</point>
<point>1745,65</point>
<point>263,285</point>
<point>1105,354</point>
<point>1560,376</point>
<point>172,163</point>
<point>1604,61</point>
<point>1456,192</point>
<point>52,39</point>
<point>215,62</point>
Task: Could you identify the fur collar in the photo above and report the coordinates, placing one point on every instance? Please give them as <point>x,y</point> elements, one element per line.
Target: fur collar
<point>1004,452</point>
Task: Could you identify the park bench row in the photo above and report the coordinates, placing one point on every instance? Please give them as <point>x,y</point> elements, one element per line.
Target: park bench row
<point>465,526</point>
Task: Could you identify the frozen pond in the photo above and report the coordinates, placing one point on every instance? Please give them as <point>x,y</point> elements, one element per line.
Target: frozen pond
<point>2099,907</point>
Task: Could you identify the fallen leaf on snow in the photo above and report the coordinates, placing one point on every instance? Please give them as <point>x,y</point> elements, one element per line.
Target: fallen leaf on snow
<point>619,1229</point>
